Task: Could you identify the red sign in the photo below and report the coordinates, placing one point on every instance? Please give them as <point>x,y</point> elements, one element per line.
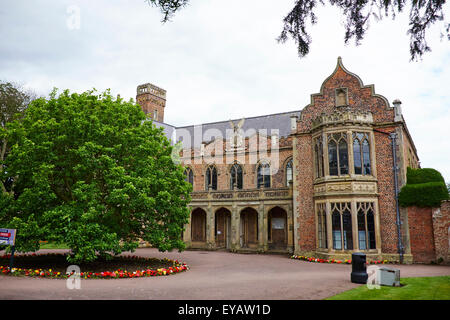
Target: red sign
<point>7,236</point>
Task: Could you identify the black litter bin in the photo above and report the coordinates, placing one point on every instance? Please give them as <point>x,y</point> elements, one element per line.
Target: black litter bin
<point>359,270</point>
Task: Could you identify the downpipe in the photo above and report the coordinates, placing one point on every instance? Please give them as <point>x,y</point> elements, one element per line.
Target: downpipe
<point>393,137</point>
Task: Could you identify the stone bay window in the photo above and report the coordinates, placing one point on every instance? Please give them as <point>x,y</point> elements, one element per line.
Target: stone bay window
<point>342,153</point>
<point>347,226</point>
<point>345,185</point>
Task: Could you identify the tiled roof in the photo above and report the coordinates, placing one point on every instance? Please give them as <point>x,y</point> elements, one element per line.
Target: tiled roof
<point>271,122</point>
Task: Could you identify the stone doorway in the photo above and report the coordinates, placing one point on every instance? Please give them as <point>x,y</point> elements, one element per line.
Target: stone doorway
<point>223,228</point>
<point>249,228</point>
<point>277,228</point>
<point>198,225</point>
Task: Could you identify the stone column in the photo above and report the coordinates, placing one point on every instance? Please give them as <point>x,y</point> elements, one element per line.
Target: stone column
<point>187,231</point>
<point>377,227</point>
<point>235,220</point>
<point>329,227</point>
<point>351,166</point>
<point>262,228</point>
<point>326,167</point>
<point>210,228</point>
<point>355,226</point>
<point>289,229</point>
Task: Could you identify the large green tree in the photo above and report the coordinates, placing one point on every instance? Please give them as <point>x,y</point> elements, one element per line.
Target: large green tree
<point>357,13</point>
<point>14,99</point>
<point>94,175</point>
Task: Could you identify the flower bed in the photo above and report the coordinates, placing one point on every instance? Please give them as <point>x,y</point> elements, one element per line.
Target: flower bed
<point>174,266</point>
<point>346,261</point>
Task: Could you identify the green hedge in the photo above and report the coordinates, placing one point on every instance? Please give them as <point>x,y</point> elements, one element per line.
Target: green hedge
<point>425,188</point>
<point>428,194</point>
<point>416,176</point>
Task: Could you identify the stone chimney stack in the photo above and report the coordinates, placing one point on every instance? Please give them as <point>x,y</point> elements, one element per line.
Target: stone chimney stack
<point>397,110</point>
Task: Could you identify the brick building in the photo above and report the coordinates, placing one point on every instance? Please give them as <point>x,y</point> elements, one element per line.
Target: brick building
<point>317,181</point>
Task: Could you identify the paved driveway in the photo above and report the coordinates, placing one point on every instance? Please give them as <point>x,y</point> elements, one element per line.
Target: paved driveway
<point>213,275</point>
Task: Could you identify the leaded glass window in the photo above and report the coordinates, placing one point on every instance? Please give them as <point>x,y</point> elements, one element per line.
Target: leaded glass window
<point>322,225</point>
<point>263,175</point>
<point>342,226</point>
<point>361,153</point>
<point>318,154</point>
<point>211,178</point>
<point>236,176</point>
<point>337,154</point>
<point>366,226</point>
<point>289,173</point>
<point>189,176</point>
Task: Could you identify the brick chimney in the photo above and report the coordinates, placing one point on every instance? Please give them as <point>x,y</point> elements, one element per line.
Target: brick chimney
<point>152,100</point>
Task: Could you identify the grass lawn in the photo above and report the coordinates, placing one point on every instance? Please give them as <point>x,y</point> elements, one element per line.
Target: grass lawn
<point>51,245</point>
<point>426,288</point>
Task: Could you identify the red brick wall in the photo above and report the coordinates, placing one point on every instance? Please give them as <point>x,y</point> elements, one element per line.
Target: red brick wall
<point>278,179</point>
<point>305,176</point>
<point>386,190</point>
<point>149,103</point>
<point>441,223</point>
<point>421,234</point>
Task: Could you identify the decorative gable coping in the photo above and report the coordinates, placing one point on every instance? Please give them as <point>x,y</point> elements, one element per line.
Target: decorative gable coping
<point>343,117</point>
<point>340,65</point>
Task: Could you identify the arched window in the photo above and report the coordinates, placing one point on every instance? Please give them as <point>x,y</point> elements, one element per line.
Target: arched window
<point>236,177</point>
<point>366,226</point>
<point>342,226</point>
<point>338,154</point>
<point>361,153</point>
<point>211,178</point>
<point>263,175</point>
<point>289,173</point>
<point>322,225</point>
<point>189,176</point>
<point>318,152</point>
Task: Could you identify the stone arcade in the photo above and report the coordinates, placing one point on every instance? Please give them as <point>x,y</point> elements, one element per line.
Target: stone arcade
<point>317,181</point>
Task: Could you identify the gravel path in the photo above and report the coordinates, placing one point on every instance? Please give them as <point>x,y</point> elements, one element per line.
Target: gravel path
<point>213,275</point>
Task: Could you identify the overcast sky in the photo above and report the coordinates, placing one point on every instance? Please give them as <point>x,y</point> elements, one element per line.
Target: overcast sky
<point>219,60</point>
